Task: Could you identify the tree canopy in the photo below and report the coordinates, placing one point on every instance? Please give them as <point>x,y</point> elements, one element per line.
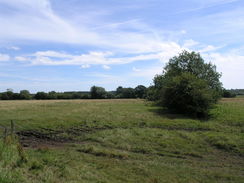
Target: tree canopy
<point>187,85</point>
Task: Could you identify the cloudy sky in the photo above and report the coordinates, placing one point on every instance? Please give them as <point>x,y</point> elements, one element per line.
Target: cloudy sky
<point>71,45</point>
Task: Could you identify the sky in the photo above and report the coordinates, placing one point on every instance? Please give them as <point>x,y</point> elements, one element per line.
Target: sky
<point>72,45</point>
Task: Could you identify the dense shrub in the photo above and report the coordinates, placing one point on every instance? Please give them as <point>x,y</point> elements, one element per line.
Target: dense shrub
<point>125,92</point>
<point>41,95</point>
<point>228,94</point>
<point>25,95</point>
<point>187,85</point>
<point>187,94</point>
<point>98,92</point>
<point>140,91</point>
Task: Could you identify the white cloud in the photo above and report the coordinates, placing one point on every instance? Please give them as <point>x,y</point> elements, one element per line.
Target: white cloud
<point>4,57</point>
<point>131,36</point>
<point>59,58</point>
<point>105,59</point>
<point>85,66</point>
<point>21,58</point>
<point>231,65</point>
<point>209,48</point>
<point>43,24</point>
<point>190,43</point>
<point>148,73</point>
<point>183,31</point>
<point>106,67</point>
<point>16,48</point>
<point>136,69</point>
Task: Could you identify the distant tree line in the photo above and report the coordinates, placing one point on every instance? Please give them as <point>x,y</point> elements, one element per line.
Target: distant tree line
<point>236,91</point>
<point>230,93</point>
<point>95,92</point>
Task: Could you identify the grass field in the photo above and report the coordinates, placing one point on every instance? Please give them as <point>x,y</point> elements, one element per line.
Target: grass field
<point>120,141</point>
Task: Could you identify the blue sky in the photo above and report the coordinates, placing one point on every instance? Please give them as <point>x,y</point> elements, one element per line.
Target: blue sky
<point>71,45</point>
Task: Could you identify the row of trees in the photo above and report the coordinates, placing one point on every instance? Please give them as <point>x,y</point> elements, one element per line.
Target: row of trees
<point>10,95</point>
<point>96,92</point>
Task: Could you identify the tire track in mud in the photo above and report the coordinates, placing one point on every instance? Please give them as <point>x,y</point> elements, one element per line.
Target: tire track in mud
<point>61,137</point>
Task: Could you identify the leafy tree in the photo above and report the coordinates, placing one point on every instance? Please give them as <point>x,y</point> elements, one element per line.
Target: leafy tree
<point>188,85</point>
<point>24,95</point>
<point>52,95</point>
<point>64,95</point>
<point>119,91</point>
<point>152,94</point>
<point>76,95</point>
<point>110,95</point>
<point>85,96</point>
<point>125,92</point>
<point>140,91</point>
<point>8,95</point>
<point>41,96</point>
<point>98,92</point>
<point>4,96</point>
<point>228,94</point>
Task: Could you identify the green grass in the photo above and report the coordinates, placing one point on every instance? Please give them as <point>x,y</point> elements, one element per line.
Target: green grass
<point>123,141</point>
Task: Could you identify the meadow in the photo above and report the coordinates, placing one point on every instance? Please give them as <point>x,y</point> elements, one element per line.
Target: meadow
<point>127,140</point>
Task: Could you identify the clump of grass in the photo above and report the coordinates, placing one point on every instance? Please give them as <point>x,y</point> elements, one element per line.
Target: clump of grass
<point>11,158</point>
<point>36,165</point>
<point>224,142</point>
<point>99,151</point>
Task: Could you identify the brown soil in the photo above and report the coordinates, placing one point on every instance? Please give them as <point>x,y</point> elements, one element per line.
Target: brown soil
<point>46,137</point>
<point>35,139</point>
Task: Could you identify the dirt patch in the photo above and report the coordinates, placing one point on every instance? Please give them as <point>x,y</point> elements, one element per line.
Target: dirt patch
<point>46,137</point>
<point>36,139</point>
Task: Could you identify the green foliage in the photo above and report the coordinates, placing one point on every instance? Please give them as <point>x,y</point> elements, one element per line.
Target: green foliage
<point>237,91</point>
<point>125,93</point>
<point>8,95</point>
<point>152,94</point>
<point>41,95</point>
<point>137,92</point>
<point>97,92</point>
<point>24,95</point>
<point>188,85</point>
<point>187,94</point>
<point>52,95</point>
<point>140,91</point>
<point>228,94</point>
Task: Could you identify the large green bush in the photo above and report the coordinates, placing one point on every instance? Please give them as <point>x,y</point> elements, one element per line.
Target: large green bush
<point>188,85</point>
<point>187,94</point>
<point>98,92</point>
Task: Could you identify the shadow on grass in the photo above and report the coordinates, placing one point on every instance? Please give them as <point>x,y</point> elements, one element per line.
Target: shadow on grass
<point>164,112</point>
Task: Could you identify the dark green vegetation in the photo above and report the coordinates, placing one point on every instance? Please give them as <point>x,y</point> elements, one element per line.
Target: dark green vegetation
<point>237,91</point>
<point>187,85</point>
<point>120,141</point>
<point>95,92</point>
<point>229,94</point>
